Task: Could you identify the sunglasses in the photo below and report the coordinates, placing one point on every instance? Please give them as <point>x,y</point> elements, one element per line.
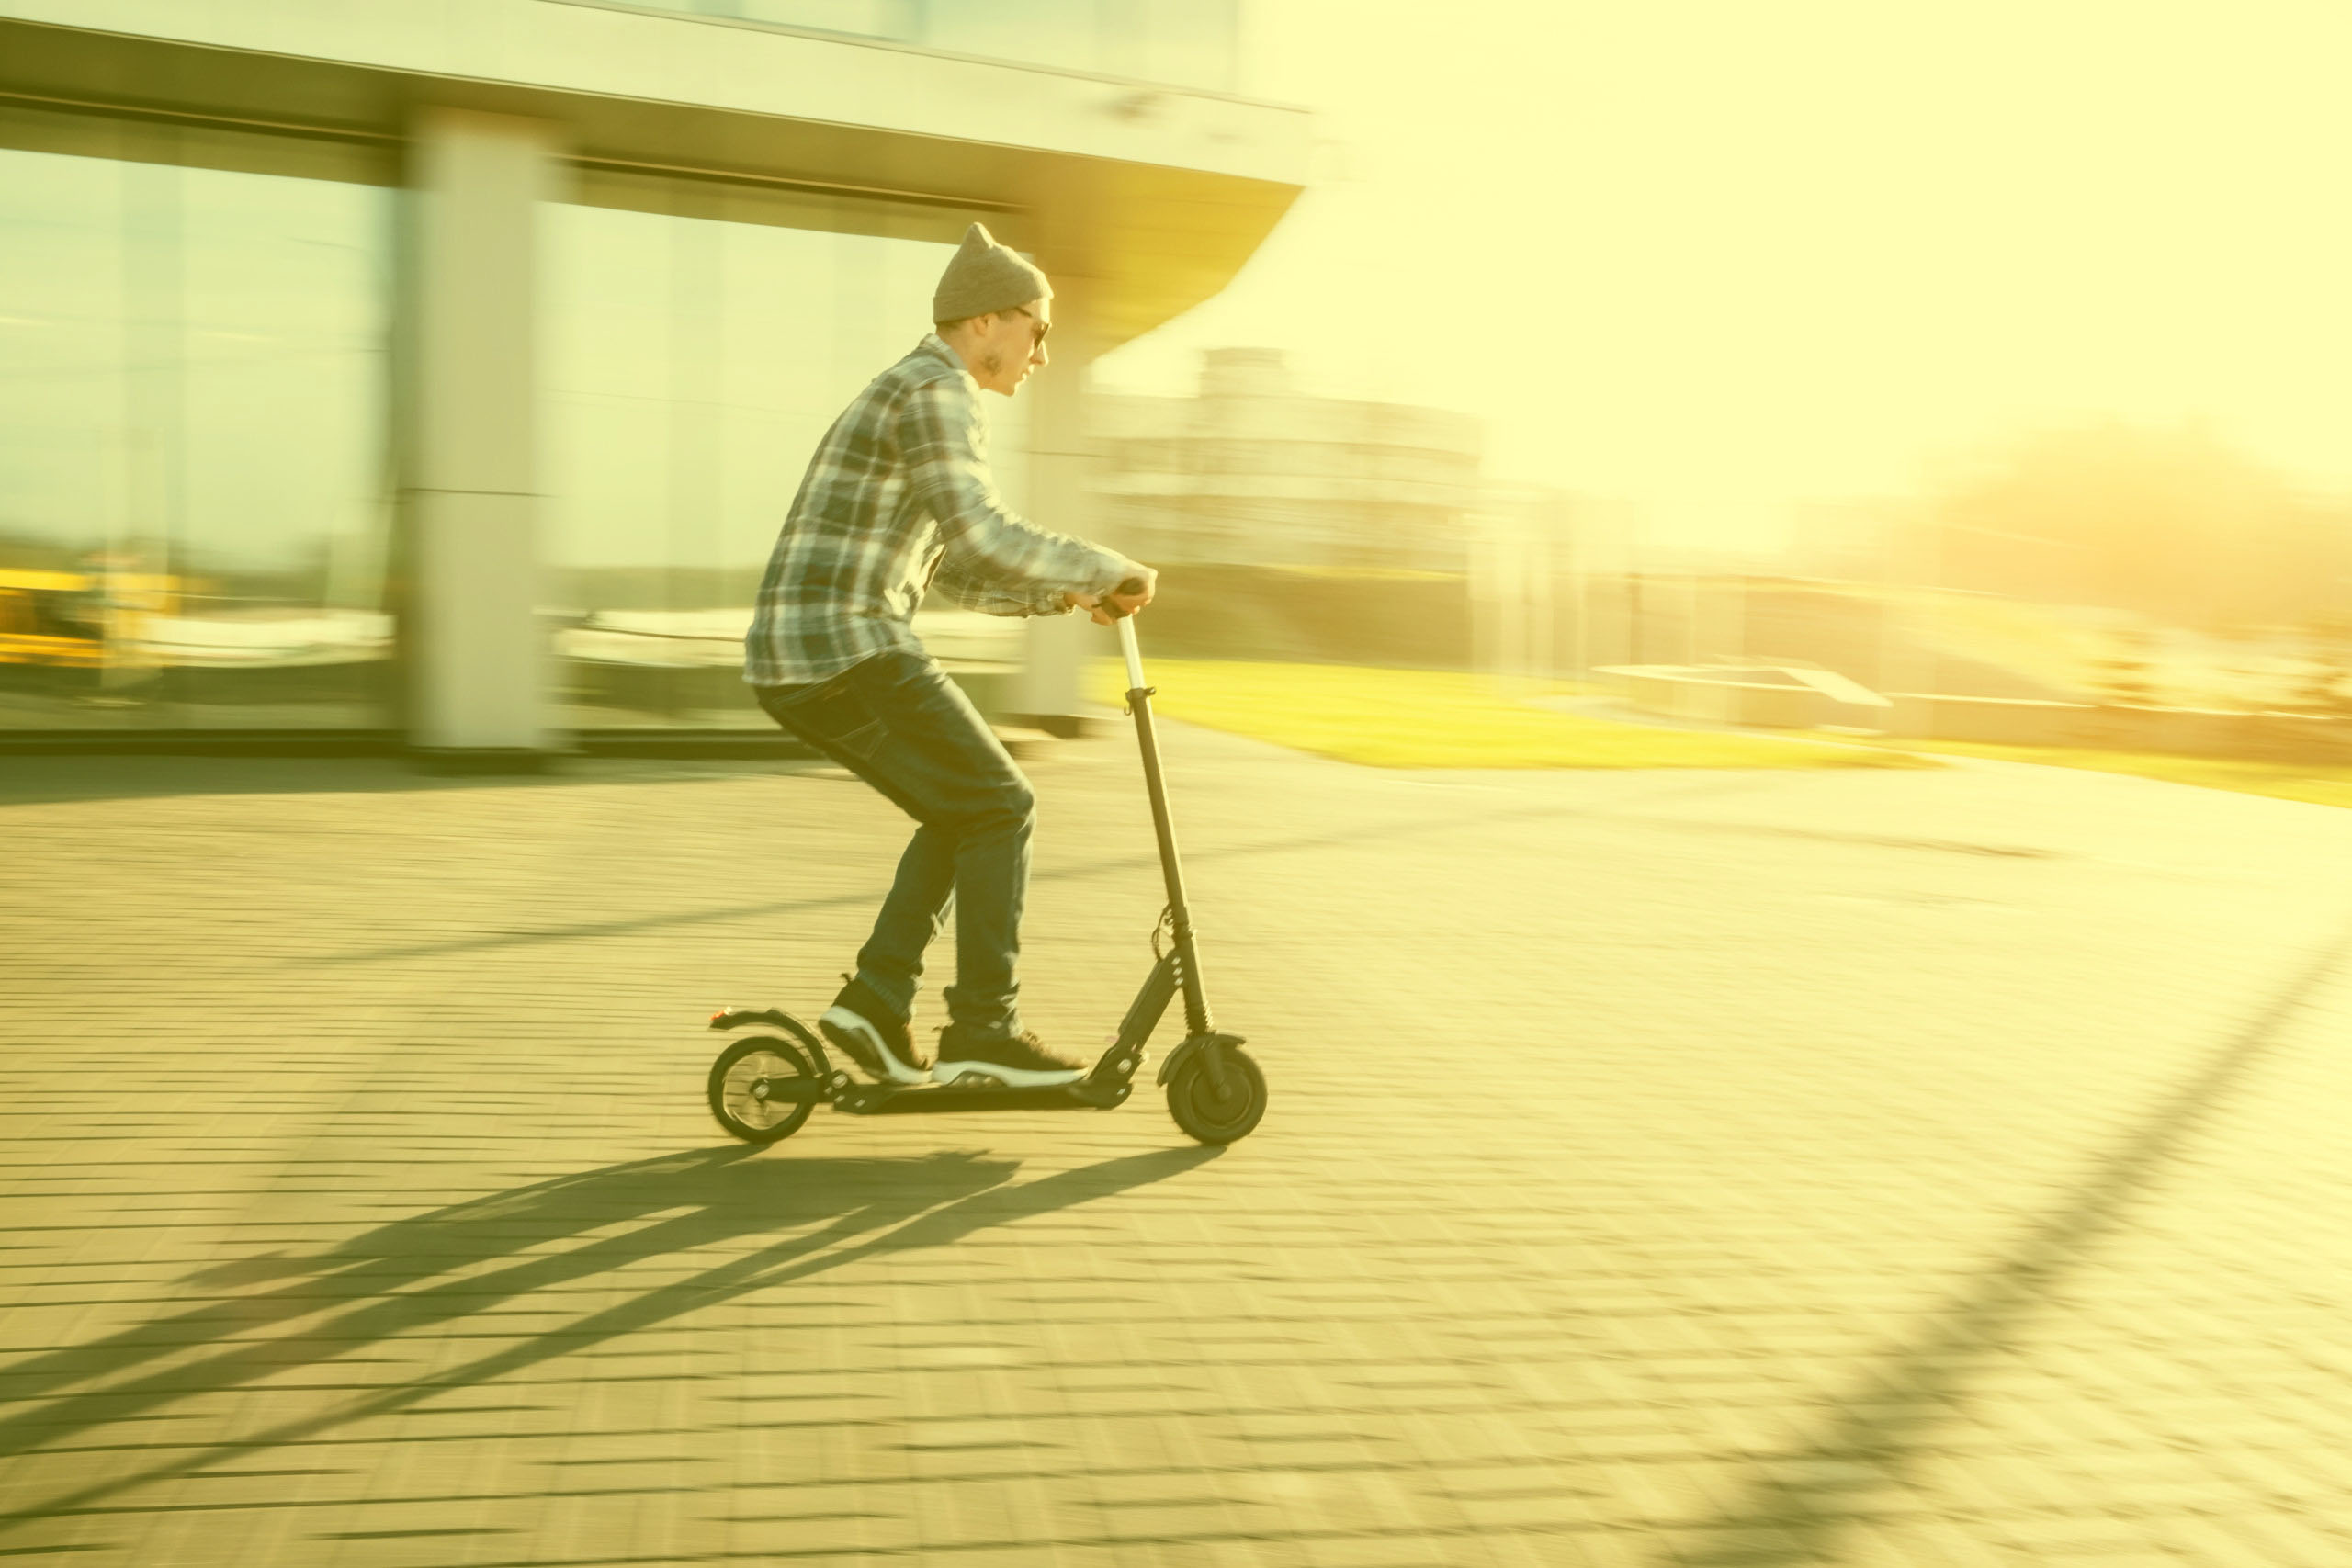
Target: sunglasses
<point>1037,329</point>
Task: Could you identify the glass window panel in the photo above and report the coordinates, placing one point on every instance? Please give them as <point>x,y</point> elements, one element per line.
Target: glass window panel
<point>896,19</point>
<point>1190,43</point>
<point>1195,43</point>
<point>1067,33</point>
<point>872,18</point>
<point>194,502</point>
<point>694,358</point>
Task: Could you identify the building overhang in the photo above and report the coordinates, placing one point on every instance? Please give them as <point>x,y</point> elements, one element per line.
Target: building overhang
<point>1154,196</point>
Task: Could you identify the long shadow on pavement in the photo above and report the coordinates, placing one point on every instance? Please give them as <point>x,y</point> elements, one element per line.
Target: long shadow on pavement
<point>860,1208</point>
<point>1792,1513</point>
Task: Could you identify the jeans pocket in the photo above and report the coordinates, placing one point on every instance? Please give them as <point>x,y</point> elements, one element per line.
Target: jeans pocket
<point>831,715</point>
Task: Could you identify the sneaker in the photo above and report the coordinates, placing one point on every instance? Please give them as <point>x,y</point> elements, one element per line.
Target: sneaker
<point>1017,1061</point>
<point>862,1028</point>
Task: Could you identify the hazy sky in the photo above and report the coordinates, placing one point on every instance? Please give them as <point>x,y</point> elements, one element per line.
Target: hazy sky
<point>1720,257</point>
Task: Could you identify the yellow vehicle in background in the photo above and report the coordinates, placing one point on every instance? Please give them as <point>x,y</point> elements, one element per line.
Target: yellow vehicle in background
<point>91,619</point>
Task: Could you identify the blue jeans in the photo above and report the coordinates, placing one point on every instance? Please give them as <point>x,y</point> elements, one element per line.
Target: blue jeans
<point>898,722</point>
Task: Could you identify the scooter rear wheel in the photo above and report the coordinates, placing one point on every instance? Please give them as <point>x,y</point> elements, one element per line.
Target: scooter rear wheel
<point>740,1081</point>
<point>1211,1117</point>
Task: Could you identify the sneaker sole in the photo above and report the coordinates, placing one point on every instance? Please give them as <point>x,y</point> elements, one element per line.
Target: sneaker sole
<point>1010,1078</point>
<point>862,1043</point>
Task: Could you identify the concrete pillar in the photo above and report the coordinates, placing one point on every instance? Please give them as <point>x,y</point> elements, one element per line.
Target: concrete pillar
<point>1050,691</point>
<point>481,685</point>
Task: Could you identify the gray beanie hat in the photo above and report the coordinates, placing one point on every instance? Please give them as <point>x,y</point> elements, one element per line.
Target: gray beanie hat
<point>985,276</point>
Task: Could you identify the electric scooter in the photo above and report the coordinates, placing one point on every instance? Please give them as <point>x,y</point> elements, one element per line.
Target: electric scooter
<point>763,1086</point>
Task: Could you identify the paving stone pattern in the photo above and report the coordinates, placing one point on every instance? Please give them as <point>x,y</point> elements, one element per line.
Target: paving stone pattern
<point>1701,1168</point>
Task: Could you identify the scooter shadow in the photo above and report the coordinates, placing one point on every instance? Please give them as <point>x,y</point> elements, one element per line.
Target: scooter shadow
<point>720,1184</point>
<point>469,1260</point>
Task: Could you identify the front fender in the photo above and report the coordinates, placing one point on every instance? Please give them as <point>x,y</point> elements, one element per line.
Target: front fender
<point>1194,1042</point>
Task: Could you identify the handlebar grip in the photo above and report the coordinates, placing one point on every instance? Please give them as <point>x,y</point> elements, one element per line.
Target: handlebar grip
<point>1131,587</point>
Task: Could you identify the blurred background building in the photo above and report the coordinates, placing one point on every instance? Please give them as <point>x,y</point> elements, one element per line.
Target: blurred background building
<point>1251,470</point>
<point>1849,539</point>
<point>443,374</point>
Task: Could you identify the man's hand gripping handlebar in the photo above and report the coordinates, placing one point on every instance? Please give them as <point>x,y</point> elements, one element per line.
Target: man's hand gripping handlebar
<point>1123,601</point>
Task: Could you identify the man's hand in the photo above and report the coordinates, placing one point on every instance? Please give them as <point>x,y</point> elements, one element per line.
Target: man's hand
<point>1125,604</point>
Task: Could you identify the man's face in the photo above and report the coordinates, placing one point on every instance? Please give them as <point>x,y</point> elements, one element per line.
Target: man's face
<point>1011,345</point>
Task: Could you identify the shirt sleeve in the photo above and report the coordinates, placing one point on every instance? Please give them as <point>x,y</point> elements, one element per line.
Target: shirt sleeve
<point>966,592</point>
<point>991,551</point>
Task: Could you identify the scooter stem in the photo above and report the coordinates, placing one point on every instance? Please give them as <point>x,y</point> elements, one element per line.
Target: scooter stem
<point>1128,646</point>
<point>1179,915</point>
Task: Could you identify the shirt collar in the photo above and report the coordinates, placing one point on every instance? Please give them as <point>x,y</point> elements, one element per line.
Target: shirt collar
<point>935,344</point>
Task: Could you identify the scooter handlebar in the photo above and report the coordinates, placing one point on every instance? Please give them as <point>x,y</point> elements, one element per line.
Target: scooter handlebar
<point>1131,587</point>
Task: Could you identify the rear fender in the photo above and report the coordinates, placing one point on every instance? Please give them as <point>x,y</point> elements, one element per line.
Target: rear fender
<point>739,1018</point>
<point>776,1017</point>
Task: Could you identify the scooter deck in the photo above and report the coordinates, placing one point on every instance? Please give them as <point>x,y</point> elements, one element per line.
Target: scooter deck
<point>914,1100</point>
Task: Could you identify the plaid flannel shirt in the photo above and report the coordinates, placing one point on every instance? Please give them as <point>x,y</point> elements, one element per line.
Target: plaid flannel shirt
<point>897,499</point>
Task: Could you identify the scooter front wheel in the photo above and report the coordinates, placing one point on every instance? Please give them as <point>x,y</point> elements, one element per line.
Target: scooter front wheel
<point>1212,1117</point>
<point>745,1085</point>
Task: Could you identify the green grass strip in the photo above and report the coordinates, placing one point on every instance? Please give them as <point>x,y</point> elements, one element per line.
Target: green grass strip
<point>1435,719</point>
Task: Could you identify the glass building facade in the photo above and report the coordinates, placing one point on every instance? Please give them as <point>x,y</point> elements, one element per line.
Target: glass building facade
<point>442,378</point>
<point>196,492</point>
<point>195,484</point>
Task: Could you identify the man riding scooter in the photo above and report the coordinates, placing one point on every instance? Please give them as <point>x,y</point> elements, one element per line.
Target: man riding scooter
<point>897,499</point>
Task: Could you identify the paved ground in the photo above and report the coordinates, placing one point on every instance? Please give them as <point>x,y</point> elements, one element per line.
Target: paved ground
<point>1892,1168</point>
